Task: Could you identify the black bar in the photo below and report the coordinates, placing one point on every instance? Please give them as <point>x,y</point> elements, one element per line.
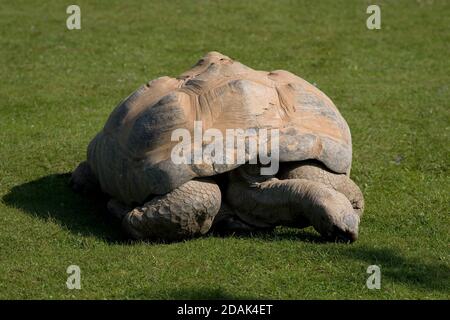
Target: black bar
<point>222,309</point>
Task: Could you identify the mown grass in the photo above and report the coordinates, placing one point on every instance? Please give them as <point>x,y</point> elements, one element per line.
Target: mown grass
<point>59,86</point>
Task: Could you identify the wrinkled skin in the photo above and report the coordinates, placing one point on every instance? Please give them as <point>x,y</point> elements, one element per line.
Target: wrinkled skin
<point>130,158</point>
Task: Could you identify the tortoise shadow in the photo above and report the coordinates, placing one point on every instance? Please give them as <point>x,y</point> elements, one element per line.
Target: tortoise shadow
<point>50,198</point>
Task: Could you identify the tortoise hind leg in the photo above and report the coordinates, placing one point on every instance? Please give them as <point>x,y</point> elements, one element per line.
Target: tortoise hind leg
<point>185,212</point>
<point>83,179</point>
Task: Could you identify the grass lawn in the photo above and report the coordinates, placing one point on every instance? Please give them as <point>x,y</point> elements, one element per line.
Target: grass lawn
<point>59,86</point>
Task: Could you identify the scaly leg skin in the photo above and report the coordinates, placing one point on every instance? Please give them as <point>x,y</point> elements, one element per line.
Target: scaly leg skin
<point>185,212</point>
<point>83,179</point>
<point>317,172</point>
<point>295,203</point>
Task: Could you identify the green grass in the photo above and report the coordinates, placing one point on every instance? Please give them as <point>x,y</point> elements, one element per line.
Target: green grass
<point>59,86</point>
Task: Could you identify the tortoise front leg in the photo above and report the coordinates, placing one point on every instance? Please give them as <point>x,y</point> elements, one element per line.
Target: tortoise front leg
<point>317,172</point>
<point>185,212</point>
<point>295,203</point>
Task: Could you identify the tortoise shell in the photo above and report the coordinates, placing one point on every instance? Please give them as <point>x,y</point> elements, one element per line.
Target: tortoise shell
<point>131,156</point>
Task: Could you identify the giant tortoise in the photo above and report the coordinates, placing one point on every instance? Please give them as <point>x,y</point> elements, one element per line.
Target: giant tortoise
<point>131,158</point>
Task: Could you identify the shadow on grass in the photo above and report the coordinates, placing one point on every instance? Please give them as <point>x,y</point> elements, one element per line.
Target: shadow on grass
<point>51,198</point>
<point>396,268</point>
